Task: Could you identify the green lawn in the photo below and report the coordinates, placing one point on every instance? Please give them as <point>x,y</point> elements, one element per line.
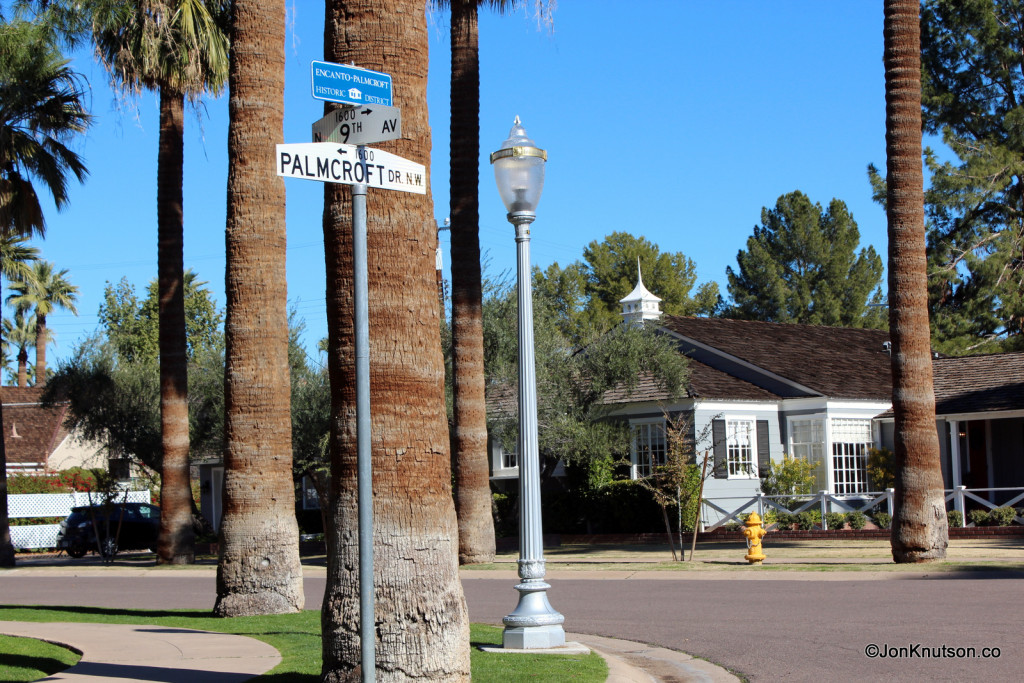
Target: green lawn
<point>297,638</point>
<point>25,659</point>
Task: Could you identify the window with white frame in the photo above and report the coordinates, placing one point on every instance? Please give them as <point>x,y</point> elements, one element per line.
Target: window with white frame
<point>510,459</point>
<point>741,448</point>
<point>648,447</point>
<point>851,439</point>
<point>807,442</point>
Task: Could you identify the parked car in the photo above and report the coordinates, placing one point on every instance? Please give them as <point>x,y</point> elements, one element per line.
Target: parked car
<point>139,529</point>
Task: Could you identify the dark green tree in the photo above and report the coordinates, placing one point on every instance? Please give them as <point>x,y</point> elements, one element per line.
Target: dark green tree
<point>801,265</point>
<point>609,269</point>
<point>972,88</point>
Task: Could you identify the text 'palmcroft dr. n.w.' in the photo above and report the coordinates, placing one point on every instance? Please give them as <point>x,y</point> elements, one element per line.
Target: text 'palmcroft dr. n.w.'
<point>330,162</point>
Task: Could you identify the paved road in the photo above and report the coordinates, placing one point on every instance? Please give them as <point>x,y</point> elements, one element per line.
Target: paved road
<point>809,628</point>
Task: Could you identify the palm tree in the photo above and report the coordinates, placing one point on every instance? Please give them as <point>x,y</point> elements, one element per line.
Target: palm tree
<point>40,108</point>
<point>469,435</point>
<point>259,570</point>
<point>43,291</point>
<point>20,332</point>
<point>420,610</point>
<point>469,411</point>
<point>179,48</point>
<point>919,531</point>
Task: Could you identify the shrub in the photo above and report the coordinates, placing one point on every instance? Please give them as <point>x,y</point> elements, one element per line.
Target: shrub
<point>1001,516</point>
<point>881,468</point>
<point>856,519</point>
<point>955,518</point>
<point>791,476</point>
<point>978,517</point>
<point>65,481</point>
<point>883,520</point>
<point>835,520</point>
<point>808,519</point>
<point>785,520</point>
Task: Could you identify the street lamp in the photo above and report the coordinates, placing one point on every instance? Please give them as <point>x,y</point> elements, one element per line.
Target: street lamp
<point>534,624</point>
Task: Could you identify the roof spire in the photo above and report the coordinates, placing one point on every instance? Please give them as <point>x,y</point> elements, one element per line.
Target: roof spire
<point>640,305</point>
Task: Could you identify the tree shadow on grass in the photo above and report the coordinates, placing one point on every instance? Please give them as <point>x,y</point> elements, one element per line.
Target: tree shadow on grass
<point>47,665</point>
<point>113,612</point>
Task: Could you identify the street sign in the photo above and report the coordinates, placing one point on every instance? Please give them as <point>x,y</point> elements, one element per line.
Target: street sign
<point>359,125</point>
<point>348,84</point>
<point>331,162</point>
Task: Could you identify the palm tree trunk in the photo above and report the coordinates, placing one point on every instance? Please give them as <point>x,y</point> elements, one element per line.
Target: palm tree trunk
<point>177,540</point>
<point>40,349</point>
<point>919,531</point>
<point>422,623</point>
<point>472,474</point>
<point>258,571</point>
<point>23,368</point>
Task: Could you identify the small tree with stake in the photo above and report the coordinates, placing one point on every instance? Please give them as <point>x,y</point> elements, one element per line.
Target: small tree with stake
<point>679,482</point>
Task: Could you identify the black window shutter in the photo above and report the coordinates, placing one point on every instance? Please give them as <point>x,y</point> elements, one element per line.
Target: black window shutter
<point>721,451</point>
<point>764,456</point>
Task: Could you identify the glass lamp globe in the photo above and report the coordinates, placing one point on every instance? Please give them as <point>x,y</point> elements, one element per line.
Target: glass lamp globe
<point>519,171</point>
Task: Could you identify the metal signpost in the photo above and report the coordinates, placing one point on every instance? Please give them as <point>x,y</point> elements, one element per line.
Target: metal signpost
<point>334,161</point>
<point>359,126</point>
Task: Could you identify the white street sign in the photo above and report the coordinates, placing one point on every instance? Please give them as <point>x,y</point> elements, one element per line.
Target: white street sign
<point>331,162</point>
<point>359,126</point>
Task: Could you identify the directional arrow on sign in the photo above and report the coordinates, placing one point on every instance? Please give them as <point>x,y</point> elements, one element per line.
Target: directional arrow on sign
<point>360,125</point>
<point>329,162</point>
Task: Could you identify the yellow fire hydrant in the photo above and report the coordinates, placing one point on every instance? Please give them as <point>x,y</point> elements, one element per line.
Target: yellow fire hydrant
<point>754,533</point>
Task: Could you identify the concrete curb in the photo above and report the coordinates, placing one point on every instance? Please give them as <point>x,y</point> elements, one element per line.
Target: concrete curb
<point>131,652</point>
<point>630,662</point>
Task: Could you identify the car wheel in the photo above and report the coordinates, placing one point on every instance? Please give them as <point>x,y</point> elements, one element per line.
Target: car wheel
<point>109,547</point>
<point>76,550</point>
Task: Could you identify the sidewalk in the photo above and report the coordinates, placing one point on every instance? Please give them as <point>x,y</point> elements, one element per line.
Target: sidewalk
<point>129,652</point>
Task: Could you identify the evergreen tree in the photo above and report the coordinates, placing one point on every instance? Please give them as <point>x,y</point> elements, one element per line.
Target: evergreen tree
<point>611,273</point>
<point>972,61</point>
<point>801,266</point>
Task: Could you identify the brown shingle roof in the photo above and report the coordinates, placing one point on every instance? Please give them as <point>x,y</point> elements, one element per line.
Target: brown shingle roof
<point>704,382</point>
<point>31,432</point>
<point>836,362</point>
<point>974,384</point>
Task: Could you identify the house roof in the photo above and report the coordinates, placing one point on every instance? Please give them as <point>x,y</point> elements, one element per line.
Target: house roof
<point>704,382</point>
<point>788,359</point>
<point>975,384</point>
<point>31,432</point>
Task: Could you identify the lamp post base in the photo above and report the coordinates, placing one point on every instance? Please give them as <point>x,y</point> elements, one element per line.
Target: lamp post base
<point>533,637</point>
<point>534,624</point>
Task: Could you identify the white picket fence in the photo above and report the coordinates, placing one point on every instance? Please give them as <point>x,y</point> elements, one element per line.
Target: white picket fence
<point>728,511</point>
<point>32,505</point>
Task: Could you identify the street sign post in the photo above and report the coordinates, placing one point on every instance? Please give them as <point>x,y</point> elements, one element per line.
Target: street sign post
<point>337,155</point>
<point>360,125</point>
<point>331,162</point>
<point>348,84</point>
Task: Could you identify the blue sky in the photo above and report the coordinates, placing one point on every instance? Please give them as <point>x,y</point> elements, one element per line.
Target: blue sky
<point>677,121</point>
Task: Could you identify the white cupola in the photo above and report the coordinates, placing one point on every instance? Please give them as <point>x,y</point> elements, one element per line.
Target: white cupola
<point>640,305</point>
